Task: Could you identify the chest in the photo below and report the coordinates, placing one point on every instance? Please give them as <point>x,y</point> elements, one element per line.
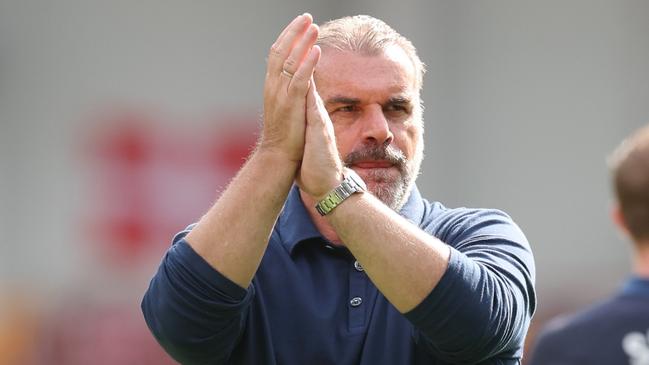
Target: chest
<point>320,306</point>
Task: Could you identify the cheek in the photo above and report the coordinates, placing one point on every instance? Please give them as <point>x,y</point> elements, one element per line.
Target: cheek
<point>408,139</point>
<point>344,139</point>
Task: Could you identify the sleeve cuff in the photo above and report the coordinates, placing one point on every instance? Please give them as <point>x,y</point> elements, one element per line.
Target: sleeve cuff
<point>207,274</point>
<point>445,292</point>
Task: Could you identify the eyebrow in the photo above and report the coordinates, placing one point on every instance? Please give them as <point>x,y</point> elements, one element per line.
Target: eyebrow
<point>343,100</point>
<point>399,100</point>
<point>354,101</point>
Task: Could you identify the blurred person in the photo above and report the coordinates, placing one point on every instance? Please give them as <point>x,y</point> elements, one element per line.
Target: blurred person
<point>20,323</point>
<point>322,250</point>
<point>615,331</point>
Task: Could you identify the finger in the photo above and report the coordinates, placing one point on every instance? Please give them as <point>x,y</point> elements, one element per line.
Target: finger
<point>314,103</point>
<point>320,128</point>
<point>301,80</point>
<point>284,44</point>
<point>300,50</point>
<point>292,23</point>
<point>283,33</point>
<point>311,103</point>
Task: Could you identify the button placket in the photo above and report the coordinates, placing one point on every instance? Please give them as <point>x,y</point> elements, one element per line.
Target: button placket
<point>358,266</point>
<point>357,294</point>
<point>356,301</point>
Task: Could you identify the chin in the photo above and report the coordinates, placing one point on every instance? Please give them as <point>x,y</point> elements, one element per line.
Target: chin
<point>384,176</point>
<point>390,194</point>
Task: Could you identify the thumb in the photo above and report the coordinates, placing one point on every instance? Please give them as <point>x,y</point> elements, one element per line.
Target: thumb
<point>311,101</point>
<point>312,115</point>
<point>315,110</point>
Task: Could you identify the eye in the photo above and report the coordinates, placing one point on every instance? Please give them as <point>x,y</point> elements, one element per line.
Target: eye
<point>397,109</point>
<point>346,109</point>
<point>344,113</point>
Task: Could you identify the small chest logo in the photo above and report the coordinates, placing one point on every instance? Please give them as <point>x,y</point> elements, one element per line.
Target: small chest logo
<point>636,346</point>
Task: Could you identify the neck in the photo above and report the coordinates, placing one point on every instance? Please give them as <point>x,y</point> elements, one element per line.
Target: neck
<point>320,222</point>
<point>641,260</point>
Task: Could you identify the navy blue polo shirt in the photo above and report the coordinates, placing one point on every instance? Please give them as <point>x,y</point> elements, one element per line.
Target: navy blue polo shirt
<point>614,331</point>
<point>310,302</point>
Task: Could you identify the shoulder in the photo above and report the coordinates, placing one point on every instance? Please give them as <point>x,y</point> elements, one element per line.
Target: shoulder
<point>565,339</point>
<point>457,225</point>
<point>600,327</point>
<point>436,212</point>
<point>608,316</point>
<point>570,326</point>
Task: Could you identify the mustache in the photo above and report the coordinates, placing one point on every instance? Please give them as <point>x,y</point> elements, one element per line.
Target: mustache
<point>378,153</point>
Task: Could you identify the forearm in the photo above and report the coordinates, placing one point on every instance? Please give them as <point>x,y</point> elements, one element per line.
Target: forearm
<point>479,301</point>
<point>194,312</point>
<point>404,262</point>
<point>232,236</point>
<point>475,312</point>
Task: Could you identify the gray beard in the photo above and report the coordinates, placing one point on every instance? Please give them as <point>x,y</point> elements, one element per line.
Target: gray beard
<point>392,191</point>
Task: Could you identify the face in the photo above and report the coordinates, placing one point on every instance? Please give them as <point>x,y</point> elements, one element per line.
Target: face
<point>374,104</point>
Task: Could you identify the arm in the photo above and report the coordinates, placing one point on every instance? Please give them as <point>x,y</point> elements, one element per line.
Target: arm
<point>469,302</point>
<point>196,303</point>
<point>483,303</point>
<point>403,262</point>
<point>468,306</point>
<point>224,237</point>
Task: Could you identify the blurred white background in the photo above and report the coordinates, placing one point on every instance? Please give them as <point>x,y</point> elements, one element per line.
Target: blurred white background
<point>121,121</point>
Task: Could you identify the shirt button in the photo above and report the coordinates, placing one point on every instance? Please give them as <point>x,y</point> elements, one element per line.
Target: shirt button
<point>356,301</point>
<point>357,266</point>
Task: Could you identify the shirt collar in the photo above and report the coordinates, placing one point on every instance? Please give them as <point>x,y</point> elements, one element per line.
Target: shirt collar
<point>295,225</point>
<point>415,208</point>
<point>636,286</point>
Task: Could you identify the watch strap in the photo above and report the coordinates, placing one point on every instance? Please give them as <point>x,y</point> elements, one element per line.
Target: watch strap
<point>352,183</point>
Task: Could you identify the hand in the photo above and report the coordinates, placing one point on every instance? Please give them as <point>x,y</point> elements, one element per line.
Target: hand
<point>291,62</point>
<point>321,169</point>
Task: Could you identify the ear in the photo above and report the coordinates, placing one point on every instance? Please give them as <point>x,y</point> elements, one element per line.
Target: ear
<point>618,218</point>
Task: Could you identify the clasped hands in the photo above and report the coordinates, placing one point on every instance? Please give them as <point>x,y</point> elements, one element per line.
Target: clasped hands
<point>296,125</point>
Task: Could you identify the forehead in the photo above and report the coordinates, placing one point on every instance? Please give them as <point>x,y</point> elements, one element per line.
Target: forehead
<point>358,75</point>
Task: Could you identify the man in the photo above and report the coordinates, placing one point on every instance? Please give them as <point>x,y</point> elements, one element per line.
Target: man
<point>350,265</point>
<point>615,331</point>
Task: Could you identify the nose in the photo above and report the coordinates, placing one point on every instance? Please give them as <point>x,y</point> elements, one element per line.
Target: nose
<point>375,126</point>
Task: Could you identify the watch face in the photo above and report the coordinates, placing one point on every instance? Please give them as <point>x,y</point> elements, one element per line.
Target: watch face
<point>357,179</point>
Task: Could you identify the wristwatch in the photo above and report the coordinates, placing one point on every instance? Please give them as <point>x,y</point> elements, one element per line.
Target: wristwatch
<point>352,183</point>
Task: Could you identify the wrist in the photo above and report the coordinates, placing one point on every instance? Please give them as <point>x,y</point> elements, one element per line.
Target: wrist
<point>334,180</point>
<point>280,149</point>
<point>275,157</point>
<point>348,185</point>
